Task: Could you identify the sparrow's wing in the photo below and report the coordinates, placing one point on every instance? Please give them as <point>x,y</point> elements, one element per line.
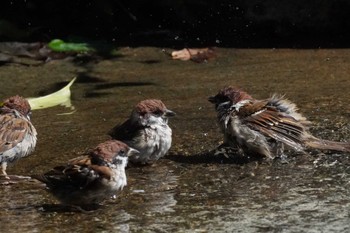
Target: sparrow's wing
<point>285,106</point>
<point>125,132</point>
<point>12,131</point>
<point>81,161</point>
<point>82,166</point>
<point>54,177</point>
<point>273,123</point>
<point>79,173</point>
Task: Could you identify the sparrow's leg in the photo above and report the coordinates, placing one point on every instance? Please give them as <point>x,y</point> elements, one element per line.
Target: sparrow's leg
<point>228,151</point>
<point>280,152</point>
<point>3,170</point>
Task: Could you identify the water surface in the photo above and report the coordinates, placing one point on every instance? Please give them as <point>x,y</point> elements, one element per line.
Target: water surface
<point>310,193</point>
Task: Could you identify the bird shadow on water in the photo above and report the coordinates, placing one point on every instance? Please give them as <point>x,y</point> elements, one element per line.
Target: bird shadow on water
<point>220,155</point>
<point>224,154</point>
<point>58,208</point>
<point>101,87</point>
<point>86,78</point>
<point>150,62</point>
<point>52,88</point>
<point>22,185</point>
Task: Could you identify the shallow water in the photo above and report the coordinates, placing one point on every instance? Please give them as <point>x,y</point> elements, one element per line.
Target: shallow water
<point>310,193</point>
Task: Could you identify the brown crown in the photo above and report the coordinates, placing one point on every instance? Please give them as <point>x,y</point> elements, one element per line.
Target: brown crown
<point>233,94</point>
<point>150,105</point>
<point>108,150</point>
<point>18,103</point>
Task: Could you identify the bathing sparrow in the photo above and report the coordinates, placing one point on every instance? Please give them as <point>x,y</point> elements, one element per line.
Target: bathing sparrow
<point>90,179</point>
<point>146,130</point>
<point>17,134</point>
<point>264,127</point>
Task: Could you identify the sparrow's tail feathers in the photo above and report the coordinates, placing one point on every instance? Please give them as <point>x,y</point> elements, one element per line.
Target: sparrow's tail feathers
<point>328,145</point>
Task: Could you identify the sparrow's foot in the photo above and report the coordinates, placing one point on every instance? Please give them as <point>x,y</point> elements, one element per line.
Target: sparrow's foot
<point>7,182</point>
<point>284,158</point>
<point>69,208</point>
<point>227,151</point>
<point>3,171</point>
<point>12,179</point>
<point>4,176</point>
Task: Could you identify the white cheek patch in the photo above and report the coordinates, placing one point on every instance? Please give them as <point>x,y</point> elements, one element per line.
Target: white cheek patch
<point>227,119</point>
<point>224,105</point>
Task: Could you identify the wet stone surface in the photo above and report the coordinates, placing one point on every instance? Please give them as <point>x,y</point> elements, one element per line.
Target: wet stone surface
<point>310,193</point>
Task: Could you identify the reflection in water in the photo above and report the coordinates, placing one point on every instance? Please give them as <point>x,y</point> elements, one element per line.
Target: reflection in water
<point>18,200</point>
<point>117,222</point>
<point>310,193</point>
<point>155,187</point>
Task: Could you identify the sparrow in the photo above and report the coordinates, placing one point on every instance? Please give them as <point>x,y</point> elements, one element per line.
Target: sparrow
<point>89,179</point>
<point>17,133</point>
<point>146,130</point>
<point>265,127</point>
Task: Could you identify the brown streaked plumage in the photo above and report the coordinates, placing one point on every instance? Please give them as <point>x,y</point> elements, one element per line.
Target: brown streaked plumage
<point>90,179</point>
<point>150,105</point>
<point>146,130</point>
<point>264,127</point>
<point>17,134</point>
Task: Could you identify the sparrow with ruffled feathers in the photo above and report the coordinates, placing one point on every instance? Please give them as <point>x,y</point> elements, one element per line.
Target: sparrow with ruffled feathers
<point>146,130</point>
<point>264,127</point>
<point>90,179</point>
<point>17,133</point>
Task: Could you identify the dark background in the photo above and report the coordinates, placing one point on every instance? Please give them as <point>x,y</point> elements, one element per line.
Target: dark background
<point>223,23</point>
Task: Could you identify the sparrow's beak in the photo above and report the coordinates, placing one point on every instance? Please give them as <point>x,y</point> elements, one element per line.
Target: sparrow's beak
<point>133,151</point>
<point>212,100</point>
<point>169,113</point>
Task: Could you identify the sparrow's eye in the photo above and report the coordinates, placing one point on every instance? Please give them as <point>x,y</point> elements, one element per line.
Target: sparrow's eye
<point>222,99</point>
<point>122,153</point>
<point>158,112</point>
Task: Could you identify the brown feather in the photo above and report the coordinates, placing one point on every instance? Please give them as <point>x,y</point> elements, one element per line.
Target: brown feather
<point>18,103</point>
<point>150,105</point>
<point>12,131</point>
<point>103,171</point>
<point>273,123</point>
<point>81,161</point>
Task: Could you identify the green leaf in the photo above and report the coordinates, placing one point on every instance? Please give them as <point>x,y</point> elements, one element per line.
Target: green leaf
<point>58,45</point>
